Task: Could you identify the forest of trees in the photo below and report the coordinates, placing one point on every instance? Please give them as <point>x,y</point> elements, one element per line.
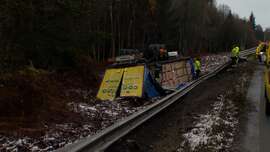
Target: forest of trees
<point>53,34</point>
<point>267,34</point>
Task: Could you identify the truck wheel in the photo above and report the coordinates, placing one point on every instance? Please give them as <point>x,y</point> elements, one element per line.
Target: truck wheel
<point>267,105</point>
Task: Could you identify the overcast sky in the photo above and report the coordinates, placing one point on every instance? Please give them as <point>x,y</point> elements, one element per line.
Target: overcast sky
<point>260,8</point>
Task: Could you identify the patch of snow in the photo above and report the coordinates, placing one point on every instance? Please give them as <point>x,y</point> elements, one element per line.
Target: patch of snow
<point>204,135</point>
<point>211,62</point>
<point>34,148</point>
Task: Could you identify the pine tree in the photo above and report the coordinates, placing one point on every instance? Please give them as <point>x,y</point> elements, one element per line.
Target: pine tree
<point>252,21</point>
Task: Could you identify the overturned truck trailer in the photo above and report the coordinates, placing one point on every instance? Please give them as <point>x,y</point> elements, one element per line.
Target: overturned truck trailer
<point>145,81</point>
<point>128,81</point>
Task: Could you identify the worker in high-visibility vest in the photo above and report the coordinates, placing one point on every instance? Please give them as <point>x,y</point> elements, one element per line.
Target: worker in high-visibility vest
<point>235,54</point>
<point>197,66</point>
<point>267,54</point>
<point>258,51</point>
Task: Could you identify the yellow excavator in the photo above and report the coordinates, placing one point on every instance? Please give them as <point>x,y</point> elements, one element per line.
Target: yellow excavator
<point>267,81</point>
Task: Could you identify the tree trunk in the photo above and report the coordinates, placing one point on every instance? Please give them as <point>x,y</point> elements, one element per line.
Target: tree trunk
<point>112,32</point>
<point>129,33</point>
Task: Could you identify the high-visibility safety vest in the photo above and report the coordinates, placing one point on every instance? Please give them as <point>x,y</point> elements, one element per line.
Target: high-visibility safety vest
<point>268,55</point>
<point>197,65</point>
<point>259,48</point>
<point>235,51</point>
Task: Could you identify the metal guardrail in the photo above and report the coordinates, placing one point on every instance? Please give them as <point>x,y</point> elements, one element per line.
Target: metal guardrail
<point>105,138</point>
<point>247,52</point>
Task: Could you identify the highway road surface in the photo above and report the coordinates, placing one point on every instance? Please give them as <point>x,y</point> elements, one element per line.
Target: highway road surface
<point>264,121</point>
<point>257,136</point>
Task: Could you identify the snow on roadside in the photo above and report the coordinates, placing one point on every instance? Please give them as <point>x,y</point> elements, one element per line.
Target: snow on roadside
<point>211,62</point>
<point>100,115</point>
<point>106,113</point>
<point>213,131</point>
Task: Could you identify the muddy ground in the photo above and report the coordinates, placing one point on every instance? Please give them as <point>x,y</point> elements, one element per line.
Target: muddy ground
<point>210,118</point>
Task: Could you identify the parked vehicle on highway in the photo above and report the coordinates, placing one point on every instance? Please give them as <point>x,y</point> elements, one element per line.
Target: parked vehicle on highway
<point>267,82</point>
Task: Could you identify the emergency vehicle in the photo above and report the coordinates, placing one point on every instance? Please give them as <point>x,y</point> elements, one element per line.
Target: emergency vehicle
<point>267,82</point>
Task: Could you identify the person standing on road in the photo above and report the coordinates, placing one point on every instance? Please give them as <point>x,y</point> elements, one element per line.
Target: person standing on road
<point>258,52</point>
<point>197,65</point>
<point>235,55</point>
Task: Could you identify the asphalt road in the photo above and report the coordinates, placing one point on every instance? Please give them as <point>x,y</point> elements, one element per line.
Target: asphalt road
<point>264,121</point>
<point>257,137</point>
